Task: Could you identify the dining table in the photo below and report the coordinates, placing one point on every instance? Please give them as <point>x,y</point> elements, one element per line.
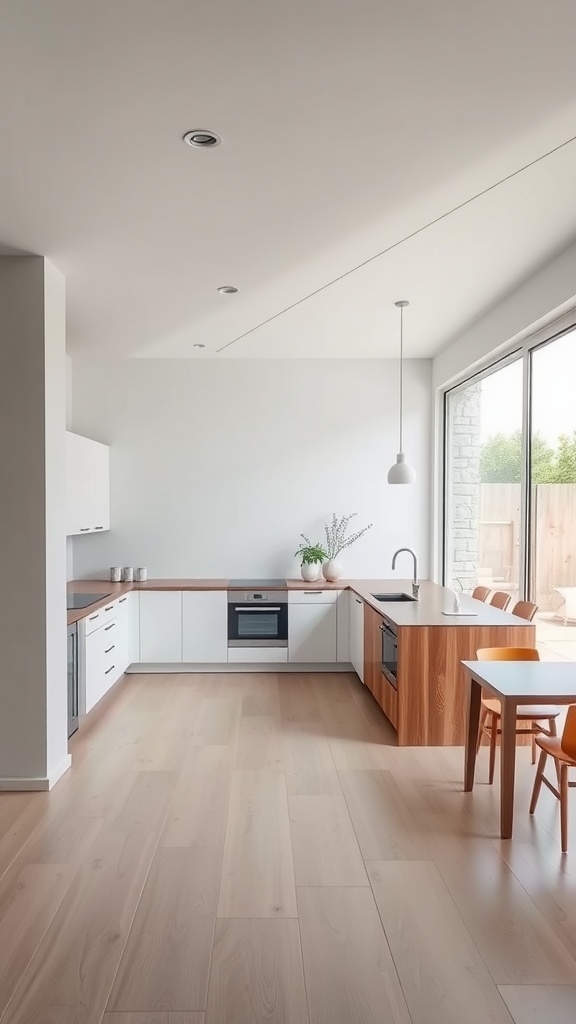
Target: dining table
<point>512,683</point>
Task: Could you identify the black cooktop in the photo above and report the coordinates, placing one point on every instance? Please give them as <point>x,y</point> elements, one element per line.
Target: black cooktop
<point>76,601</point>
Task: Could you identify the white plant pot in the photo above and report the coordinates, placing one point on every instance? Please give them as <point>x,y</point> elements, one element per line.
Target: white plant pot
<point>310,571</point>
<point>332,570</point>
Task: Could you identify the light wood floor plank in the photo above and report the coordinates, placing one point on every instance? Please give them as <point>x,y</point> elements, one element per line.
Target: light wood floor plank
<point>514,939</point>
<point>308,761</point>
<point>146,804</point>
<point>444,978</point>
<point>153,1018</point>
<point>198,807</point>
<point>71,974</point>
<point>384,827</point>
<point>29,899</point>
<point>217,722</point>
<point>350,974</point>
<point>326,850</point>
<point>256,974</point>
<point>65,840</point>
<point>257,874</point>
<point>20,816</point>
<point>259,743</point>
<point>166,959</point>
<point>298,701</point>
<point>541,1004</point>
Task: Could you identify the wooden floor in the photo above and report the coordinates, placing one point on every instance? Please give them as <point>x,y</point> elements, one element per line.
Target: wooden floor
<point>236,849</point>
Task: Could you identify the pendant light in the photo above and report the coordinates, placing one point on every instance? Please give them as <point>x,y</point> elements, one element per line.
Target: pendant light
<point>401,472</point>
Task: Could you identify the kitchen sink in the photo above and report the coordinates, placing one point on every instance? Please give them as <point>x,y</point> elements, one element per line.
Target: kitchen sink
<point>393,597</point>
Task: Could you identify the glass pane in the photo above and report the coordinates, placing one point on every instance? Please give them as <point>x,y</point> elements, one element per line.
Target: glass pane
<point>553,495</point>
<point>255,625</point>
<point>484,471</point>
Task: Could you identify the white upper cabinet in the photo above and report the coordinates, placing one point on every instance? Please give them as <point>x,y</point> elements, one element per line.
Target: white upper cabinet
<point>87,485</point>
<point>204,626</point>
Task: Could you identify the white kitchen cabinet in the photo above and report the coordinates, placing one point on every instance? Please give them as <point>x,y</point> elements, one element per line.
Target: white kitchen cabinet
<point>160,626</point>
<point>204,626</point>
<point>357,634</point>
<point>312,632</point>
<point>134,627</point>
<point>87,485</point>
<point>106,650</point>
<point>343,626</point>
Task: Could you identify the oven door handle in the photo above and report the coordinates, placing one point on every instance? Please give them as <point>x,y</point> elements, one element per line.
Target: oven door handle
<point>259,608</point>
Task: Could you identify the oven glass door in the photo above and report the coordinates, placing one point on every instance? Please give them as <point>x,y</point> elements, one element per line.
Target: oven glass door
<point>258,626</point>
<point>390,655</point>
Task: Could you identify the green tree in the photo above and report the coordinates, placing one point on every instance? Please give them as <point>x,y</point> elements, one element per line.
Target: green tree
<point>501,460</point>
<point>566,459</point>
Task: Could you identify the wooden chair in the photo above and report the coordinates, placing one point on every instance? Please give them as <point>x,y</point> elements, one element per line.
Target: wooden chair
<point>526,713</point>
<point>501,600</point>
<point>480,593</point>
<point>525,609</point>
<point>563,750</point>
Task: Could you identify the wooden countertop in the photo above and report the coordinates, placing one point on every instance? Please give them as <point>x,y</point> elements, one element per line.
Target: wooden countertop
<point>427,611</point>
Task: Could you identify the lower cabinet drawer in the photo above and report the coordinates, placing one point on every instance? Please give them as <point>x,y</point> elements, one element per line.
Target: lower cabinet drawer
<point>103,666</point>
<point>313,596</point>
<point>245,655</point>
<point>387,697</point>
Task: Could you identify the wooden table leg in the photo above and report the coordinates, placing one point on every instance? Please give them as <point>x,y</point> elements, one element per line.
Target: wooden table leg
<point>474,701</point>
<point>507,767</point>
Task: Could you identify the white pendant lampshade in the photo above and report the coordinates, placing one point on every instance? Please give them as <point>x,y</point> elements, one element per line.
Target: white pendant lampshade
<point>401,472</point>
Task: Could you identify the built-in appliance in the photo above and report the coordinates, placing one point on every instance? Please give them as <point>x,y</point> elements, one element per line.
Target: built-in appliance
<point>72,679</point>
<point>258,617</point>
<point>389,652</point>
<point>76,601</point>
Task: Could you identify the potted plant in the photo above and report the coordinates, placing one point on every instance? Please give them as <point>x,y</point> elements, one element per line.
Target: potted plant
<point>311,557</point>
<point>337,541</point>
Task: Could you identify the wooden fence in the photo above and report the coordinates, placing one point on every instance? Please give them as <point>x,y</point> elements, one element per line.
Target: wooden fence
<point>553,545</point>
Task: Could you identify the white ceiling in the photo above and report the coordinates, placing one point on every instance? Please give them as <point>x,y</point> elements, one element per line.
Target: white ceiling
<point>345,127</point>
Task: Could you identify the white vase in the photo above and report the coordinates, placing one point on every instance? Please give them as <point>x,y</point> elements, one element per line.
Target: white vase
<point>332,570</point>
<point>310,571</point>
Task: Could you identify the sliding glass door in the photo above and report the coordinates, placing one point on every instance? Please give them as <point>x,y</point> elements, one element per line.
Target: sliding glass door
<point>552,520</point>
<point>510,485</point>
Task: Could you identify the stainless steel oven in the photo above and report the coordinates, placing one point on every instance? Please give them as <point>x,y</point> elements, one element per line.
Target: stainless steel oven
<point>258,618</point>
<point>389,653</point>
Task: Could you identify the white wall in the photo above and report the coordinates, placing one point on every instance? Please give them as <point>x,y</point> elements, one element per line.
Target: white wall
<point>217,466</point>
<point>537,302</point>
<point>69,541</point>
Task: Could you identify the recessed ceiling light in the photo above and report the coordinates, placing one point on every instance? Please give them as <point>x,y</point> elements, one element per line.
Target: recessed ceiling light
<point>227,289</point>
<point>202,139</point>
<point>198,344</point>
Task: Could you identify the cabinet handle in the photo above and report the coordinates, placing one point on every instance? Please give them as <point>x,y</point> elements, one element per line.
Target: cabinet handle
<point>98,527</point>
<point>110,649</point>
<point>313,591</point>
<point>84,529</point>
<point>111,626</point>
<point>109,608</point>
<point>108,670</point>
<point>358,601</point>
<point>92,617</point>
<point>122,599</point>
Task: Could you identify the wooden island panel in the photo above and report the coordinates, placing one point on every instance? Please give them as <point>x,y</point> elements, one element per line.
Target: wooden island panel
<point>428,709</point>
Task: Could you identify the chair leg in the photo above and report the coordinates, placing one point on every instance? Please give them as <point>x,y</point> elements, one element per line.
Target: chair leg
<point>483,717</point>
<point>564,806</point>
<point>533,744</point>
<point>552,726</point>
<point>538,781</point>
<point>493,739</point>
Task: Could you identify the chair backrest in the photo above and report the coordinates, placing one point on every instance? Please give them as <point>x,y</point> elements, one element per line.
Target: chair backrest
<point>480,593</point>
<point>568,742</point>
<point>501,600</point>
<point>525,609</point>
<point>507,654</point>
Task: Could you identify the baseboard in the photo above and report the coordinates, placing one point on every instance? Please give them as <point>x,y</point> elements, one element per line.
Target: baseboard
<point>40,784</point>
<point>229,667</point>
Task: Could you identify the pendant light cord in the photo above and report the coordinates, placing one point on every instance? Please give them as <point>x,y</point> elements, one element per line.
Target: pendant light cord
<point>401,365</point>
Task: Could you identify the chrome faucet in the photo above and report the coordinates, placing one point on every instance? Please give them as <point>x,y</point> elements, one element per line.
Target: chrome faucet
<point>415,583</point>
